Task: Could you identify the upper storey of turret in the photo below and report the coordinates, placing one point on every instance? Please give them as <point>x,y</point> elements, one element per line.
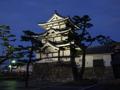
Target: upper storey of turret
<point>56,22</point>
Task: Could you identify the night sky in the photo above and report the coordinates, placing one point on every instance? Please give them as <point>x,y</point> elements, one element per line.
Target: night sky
<point>26,14</point>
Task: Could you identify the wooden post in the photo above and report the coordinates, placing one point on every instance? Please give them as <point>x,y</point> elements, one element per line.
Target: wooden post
<point>59,55</point>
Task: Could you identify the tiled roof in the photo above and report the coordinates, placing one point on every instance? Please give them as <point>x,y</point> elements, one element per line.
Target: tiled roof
<point>99,49</point>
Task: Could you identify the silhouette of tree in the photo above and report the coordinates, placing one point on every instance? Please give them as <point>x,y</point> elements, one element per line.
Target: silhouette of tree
<point>103,40</point>
<point>83,39</point>
<point>7,43</point>
<point>35,44</point>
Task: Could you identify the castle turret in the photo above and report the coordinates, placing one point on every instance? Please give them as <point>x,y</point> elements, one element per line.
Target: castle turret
<point>54,39</point>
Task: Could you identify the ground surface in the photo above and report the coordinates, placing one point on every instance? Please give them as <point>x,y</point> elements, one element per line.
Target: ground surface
<point>19,85</point>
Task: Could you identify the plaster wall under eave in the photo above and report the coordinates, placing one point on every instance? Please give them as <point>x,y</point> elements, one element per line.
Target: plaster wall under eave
<point>89,59</point>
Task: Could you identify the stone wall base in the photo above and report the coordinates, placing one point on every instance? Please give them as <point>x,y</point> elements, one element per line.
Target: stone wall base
<point>63,72</point>
<point>99,73</point>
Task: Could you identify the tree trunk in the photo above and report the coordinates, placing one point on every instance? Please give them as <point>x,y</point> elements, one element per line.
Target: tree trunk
<point>27,74</point>
<point>83,65</point>
<point>27,68</point>
<point>73,63</point>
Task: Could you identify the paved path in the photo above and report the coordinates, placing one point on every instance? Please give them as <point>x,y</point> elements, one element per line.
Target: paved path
<point>19,85</point>
<point>15,85</point>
